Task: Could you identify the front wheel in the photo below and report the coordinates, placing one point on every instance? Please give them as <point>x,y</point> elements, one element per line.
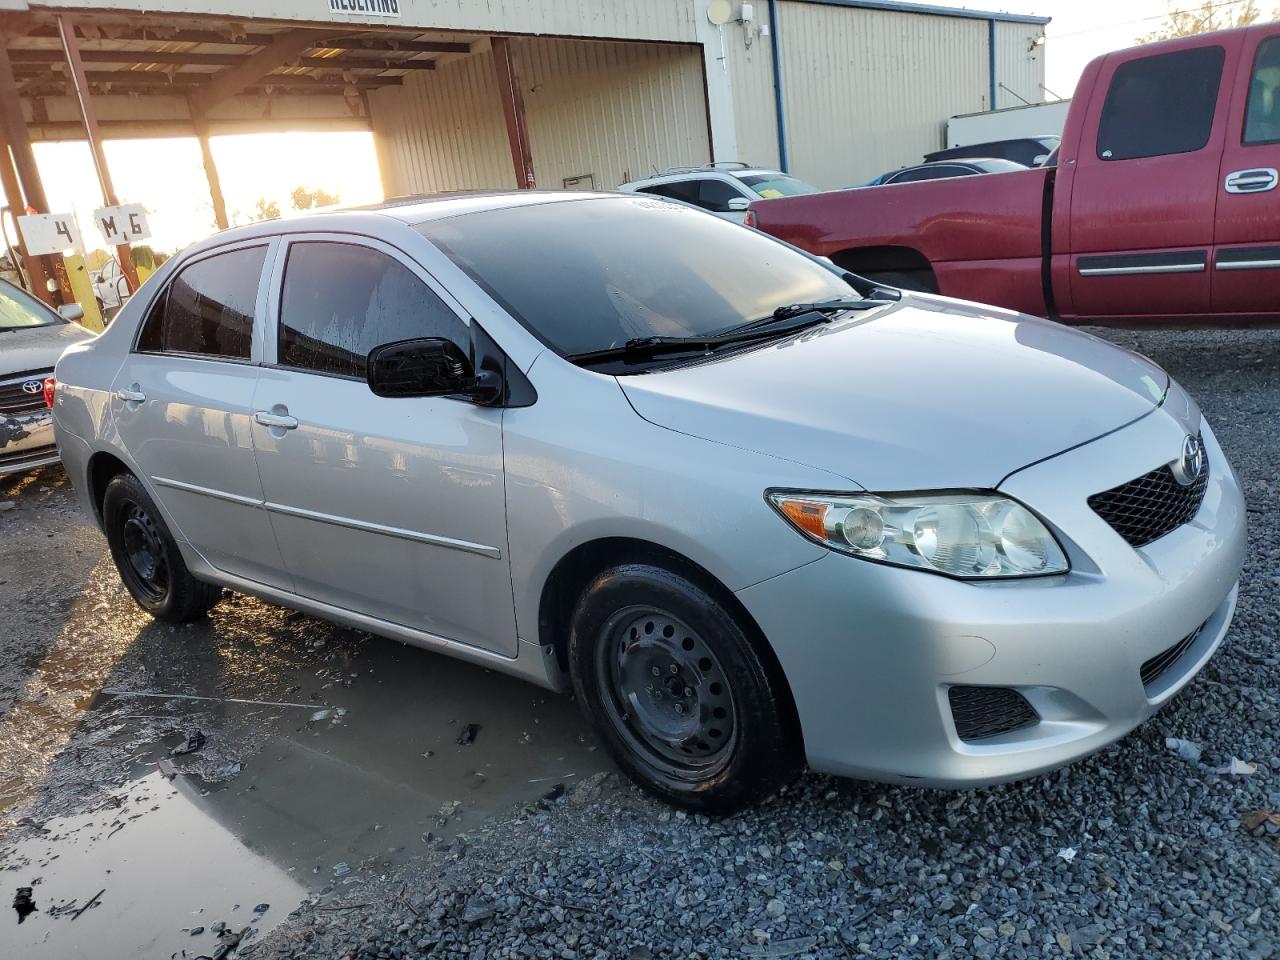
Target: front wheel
<point>147,556</point>
<point>679,693</point>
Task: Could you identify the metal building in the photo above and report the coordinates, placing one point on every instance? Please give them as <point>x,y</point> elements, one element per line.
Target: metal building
<point>481,94</point>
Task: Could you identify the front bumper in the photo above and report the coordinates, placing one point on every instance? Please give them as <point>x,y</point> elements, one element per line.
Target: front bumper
<point>871,651</point>
<point>26,441</point>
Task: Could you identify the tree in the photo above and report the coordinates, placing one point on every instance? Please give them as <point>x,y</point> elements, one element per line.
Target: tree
<point>1209,16</point>
<point>304,199</point>
<point>267,209</point>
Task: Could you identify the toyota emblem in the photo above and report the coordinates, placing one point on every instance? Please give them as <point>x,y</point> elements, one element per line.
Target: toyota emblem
<point>32,386</point>
<point>1190,465</point>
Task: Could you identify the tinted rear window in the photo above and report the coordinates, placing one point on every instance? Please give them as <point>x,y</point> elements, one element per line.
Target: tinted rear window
<point>208,308</point>
<point>1161,105</point>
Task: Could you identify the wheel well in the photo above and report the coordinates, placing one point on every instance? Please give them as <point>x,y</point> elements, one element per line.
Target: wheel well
<point>102,467</point>
<point>881,260</point>
<point>582,564</point>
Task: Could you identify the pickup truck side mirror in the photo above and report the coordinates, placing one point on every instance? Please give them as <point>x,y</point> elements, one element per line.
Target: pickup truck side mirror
<point>738,204</point>
<point>428,367</point>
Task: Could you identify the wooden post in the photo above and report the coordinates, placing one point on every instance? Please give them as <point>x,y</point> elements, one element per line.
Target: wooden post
<point>71,46</point>
<point>507,66</point>
<point>26,191</point>
<point>210,168</point>
<point>35,266</point>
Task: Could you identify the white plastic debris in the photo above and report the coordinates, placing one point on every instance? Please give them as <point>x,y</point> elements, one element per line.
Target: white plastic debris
<point>1186,749</point>
<point>1067,853</point>
<point>1237,768</point>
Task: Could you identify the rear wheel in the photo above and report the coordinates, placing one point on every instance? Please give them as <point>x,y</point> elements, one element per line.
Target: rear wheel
<point>678,692</point>
<point>147,556</point>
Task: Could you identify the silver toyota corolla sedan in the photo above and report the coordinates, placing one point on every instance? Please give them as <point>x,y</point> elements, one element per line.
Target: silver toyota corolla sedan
<point>752,510</point>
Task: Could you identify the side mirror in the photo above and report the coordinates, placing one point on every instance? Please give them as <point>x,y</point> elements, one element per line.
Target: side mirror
<point>428,367</point>
<point>737,204</point>
<point>1039,159</point>
<point>71,311</point>
<point>95,278</point>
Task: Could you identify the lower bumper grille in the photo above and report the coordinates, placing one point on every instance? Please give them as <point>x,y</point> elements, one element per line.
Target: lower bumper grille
<point>16,460</point>
<point>981,712</point>
<point>1154,668</point>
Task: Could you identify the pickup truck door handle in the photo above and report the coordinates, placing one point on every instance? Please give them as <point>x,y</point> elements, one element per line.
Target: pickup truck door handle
<point>132,395</point>
<point>1258,180</point>
<point>281,420</point>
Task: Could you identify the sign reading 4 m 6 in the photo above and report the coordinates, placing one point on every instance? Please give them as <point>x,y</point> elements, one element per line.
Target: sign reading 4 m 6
<point>126,223</point>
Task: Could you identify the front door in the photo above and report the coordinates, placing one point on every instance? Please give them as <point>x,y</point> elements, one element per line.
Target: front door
<point>1145,188</point>
<point>182,402</point>
<point>391,507</point>
<point>1246,275</point>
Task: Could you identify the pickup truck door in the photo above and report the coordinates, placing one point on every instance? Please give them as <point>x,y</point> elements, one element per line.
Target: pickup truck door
<point>1246,256</point>
<point>1145,182</point>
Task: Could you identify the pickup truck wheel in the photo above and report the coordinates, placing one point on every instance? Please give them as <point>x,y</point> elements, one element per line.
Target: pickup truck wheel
<point>922,281</point>
<point>677,691</point>
<point>147,556</point>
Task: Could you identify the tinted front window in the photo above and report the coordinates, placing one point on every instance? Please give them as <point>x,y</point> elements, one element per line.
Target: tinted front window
<point>19,309</point>
<point>591,274</point>
<point>1262,116</point>
<point>340,301</point>
<point>714,195</point>
<point>208,308</point>
<point>934,171</point>
<point>1161,105</point>
<point>683,190</point>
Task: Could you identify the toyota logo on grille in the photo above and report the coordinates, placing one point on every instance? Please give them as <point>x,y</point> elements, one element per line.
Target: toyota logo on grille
<point>1190,465</point>
<point>32,386</point>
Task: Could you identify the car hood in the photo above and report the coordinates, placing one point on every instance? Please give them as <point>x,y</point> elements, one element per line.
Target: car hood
<point>28,349</point>
<point>927,393</point>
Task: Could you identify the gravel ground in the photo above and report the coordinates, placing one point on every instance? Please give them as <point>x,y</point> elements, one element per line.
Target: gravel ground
<point>1135,852</point>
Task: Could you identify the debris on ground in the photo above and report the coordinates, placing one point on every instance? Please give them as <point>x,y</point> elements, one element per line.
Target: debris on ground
<point>1067,853</point>
<point>554,794</point>
<point>1267,819</point>
<point>24,903</point>
<point>1186,749</point>
<point>262,908</point>
<point>468,734</point>
<point>341,869</point>
<point>478,909</point>
<point>1236,768</point>
<point>92,900</point>
<point>195,740</point>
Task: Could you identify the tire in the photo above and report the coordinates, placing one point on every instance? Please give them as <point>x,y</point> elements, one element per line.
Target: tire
<point>921,281</point>
<point>147,557</point>
<point>678,692</point>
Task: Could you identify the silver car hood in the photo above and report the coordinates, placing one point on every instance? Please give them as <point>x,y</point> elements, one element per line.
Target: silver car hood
<point>928,393</point>
<point>28,349</point>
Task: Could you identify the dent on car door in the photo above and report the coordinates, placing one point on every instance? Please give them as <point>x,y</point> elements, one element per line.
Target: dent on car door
<point>1146,184</point>
<point>392,507</point>
<point>182,404</point>
<point>1246,275</point>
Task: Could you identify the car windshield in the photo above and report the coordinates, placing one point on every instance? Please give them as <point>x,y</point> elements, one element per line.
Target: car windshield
<point>774,185</point>
<point>19,309</point>
<point>589,275</point>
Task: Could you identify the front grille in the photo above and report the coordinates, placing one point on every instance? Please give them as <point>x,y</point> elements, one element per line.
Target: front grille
<point>981,712</point>
<point>1154,668</point>
<point>1147,508</point>
<point>13,399</point>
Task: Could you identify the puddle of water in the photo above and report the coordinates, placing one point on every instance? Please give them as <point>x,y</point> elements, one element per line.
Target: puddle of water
<point>162,863</point>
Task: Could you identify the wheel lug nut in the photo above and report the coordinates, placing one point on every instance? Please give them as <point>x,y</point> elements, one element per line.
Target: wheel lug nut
<point>674,668</point>
<point>679,708</point>
<point>688,691</point>
<point>657,672</point>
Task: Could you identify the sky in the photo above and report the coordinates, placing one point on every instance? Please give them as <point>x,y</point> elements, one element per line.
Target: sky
<point>167,176</point>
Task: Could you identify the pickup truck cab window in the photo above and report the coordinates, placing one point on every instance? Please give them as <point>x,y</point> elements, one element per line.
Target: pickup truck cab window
<point>1160,105</point>
<point>208,308</point>
<point>1262,116</point>
<point>341,300</point>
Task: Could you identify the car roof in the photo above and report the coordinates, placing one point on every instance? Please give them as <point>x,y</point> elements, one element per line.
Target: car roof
<point>683,172</point>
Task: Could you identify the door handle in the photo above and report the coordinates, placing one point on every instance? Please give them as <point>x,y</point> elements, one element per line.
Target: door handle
<point>132,395</point>
<point>281,420</point>
<point>1258,180</point>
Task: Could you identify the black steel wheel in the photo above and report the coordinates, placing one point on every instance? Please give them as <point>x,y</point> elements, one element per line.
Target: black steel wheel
<point>148,558</point>
<point>686,704</point>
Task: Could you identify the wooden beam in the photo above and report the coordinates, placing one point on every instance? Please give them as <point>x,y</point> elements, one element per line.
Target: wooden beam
<point>89,57</point>
<point>507,67</point>
<point>184,82</point>
<point>253,68</point>
<point>393,45</point>
<point>346,41</point>
<point>345,62</point>
<point>210,171</point>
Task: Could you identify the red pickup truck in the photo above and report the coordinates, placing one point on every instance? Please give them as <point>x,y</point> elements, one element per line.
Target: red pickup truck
<point>1162,202</point>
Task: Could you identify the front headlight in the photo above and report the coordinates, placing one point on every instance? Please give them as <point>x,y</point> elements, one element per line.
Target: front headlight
<point>959,534</point>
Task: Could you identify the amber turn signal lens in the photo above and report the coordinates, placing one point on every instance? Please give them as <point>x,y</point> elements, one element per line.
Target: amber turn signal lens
<point>806,515</point>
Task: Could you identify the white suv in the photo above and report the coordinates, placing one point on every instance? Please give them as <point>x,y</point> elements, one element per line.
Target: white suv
<point>725,189</point>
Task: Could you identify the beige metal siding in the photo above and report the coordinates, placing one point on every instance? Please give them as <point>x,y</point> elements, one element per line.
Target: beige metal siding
<point>1020,64</point>
<point>613,111</point>
<point>751,69</point>
<point>623,19</point>
<point>870,90</point>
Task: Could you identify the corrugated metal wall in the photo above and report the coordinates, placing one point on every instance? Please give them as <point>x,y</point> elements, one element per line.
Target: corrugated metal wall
<point>1020,64</point>
<point>753,105</point>
<point>870,90</point>
<point>610,110</point>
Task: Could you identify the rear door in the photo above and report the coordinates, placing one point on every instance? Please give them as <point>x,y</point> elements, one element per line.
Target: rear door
<point>1146,182</point>
<point>182,404</point>
<point>1246,275</point>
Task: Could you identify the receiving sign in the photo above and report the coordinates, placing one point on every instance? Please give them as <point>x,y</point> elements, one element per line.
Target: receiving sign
<point>49,233</point>
<point>369,8</point>
<point>126,223</point>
